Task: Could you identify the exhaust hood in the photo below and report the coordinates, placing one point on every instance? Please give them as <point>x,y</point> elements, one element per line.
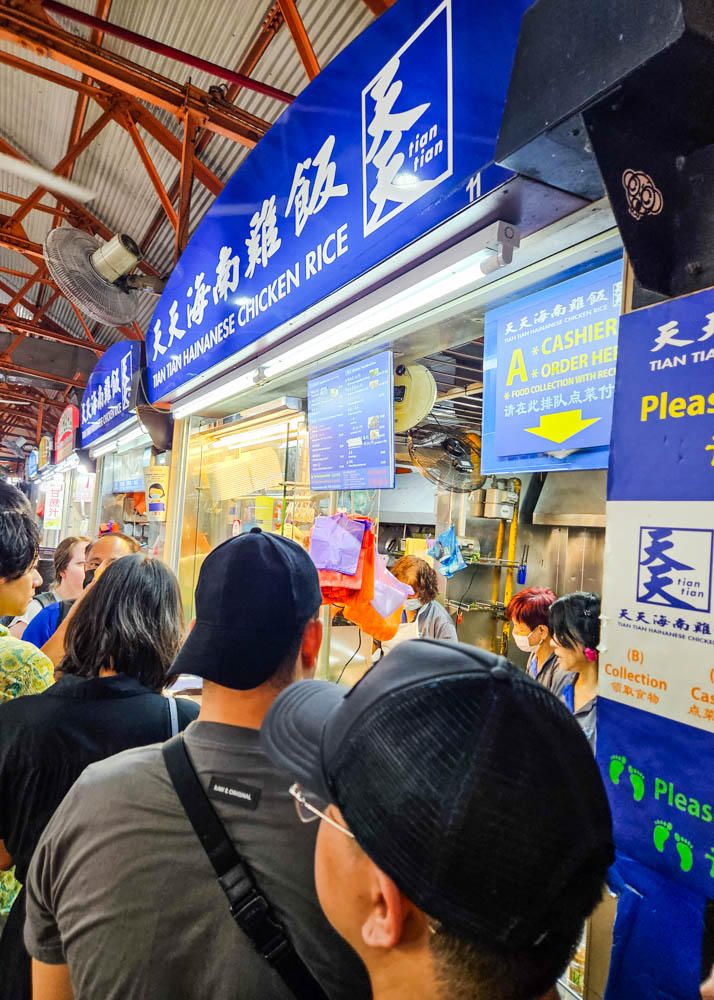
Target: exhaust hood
<point>573,499</point>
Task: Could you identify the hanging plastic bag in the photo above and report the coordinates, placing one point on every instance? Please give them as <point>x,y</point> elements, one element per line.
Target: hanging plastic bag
<point>339,587</point>
<point>446,551</point>
<point>389,593</point>
<point>336,542</point>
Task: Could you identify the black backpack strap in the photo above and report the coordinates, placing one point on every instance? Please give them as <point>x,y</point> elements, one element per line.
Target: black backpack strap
<point>249,907</point>
<point>45,599</point>
<point>64,609</point>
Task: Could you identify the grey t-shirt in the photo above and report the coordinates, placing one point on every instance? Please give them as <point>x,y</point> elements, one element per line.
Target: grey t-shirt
<point>121,889</point>
<point>435,622</point>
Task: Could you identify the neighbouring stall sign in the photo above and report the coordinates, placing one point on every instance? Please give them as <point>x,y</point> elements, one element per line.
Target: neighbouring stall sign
<point>549,374</point>
<point>110,396</point>
<point>656,710</point>
<point>372,154</point>
<point>66,433</point>
<point>44,452</point>
<point>351,426</point>
<point>54,503</point>
<point>32,464</point>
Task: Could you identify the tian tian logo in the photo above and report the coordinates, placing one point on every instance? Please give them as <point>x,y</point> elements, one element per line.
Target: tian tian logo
<point>675,568</point>
<point>407,131</point>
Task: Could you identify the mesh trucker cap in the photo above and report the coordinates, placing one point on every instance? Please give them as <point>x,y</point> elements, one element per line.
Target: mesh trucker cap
<point>466,782</point>
<point>254,596</point>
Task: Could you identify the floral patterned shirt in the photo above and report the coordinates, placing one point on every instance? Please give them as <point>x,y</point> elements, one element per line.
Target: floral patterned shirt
<point>23,670</point>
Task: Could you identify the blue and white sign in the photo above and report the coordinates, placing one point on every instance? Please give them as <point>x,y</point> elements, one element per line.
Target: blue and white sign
<point>665,416</point>
<point>32,460</point>
<point>656,703</point>
<point>395,136</point>
<point>351,426</point>
<point>109,398</point>
<point>549,373</point>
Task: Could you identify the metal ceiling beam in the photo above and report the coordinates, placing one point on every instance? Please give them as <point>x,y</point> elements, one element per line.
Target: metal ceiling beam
<point>105,97</point>
<point>190,126</point>
<point>300,37</point>
<point>378,7</point>
<point>272,23</point>
<point>84,218</point>
<point>49,324</point>
<point>25,326</point>
<point>80,107</point>
<point>22,26</point>
<point>151,170</point>
<point>62,213</point>
<point>87,139</point>
<point>12,369</point>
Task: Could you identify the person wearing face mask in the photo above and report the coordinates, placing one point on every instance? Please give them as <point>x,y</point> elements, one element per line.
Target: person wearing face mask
<point>575,626</point>
<point>424,617</point>
<point>527,612</point>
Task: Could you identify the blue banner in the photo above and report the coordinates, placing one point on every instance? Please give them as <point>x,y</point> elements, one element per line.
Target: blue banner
<point>110,395</point>
<point>351,426</point>
<point>396,135</point>
<point>549,375</point>
<point>664,418</point>
<point>655,735</point>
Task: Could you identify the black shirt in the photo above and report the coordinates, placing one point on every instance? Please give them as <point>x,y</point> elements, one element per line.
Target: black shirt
<point>47,740</point>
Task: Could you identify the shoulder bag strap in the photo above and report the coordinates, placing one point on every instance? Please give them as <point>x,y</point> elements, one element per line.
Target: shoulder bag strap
<point>250,909</point>
<point>173,715</point>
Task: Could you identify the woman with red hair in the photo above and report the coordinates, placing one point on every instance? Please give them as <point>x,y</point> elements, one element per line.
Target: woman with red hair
<point>528,613</point>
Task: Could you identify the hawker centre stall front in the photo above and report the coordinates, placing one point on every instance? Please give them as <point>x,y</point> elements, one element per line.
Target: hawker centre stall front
<point>132,481</point>
<point>381,225</point>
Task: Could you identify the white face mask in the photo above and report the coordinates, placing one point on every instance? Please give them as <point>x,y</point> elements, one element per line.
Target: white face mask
<point>522,642</point>
<point>412,604</point>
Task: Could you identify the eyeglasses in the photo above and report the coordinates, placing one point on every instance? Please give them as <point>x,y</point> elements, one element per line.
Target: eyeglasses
<point>310,807</point>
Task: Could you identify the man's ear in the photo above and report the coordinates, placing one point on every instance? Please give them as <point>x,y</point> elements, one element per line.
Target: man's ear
<point>310,647</point>
<point>387,912</point>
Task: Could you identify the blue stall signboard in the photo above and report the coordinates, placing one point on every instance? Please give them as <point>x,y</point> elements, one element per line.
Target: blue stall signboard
<point>549,367</point>
<point>396,135</point>
<point>351,426</point>
<point>108,399</point>
<point>31,468</point>
<point>656,720</point>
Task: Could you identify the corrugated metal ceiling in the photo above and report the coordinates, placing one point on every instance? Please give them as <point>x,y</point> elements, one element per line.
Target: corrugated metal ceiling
<point>36,117</point>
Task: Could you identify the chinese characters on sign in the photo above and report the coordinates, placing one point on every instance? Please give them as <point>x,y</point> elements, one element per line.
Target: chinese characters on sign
<point>556,355</point>
<point>54,504</point>
<point>656,710</point>
<point>374,153</point>
<point>108,399</point>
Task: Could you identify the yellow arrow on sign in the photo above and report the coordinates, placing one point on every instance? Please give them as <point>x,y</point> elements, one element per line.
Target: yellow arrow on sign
<point>559,427</point>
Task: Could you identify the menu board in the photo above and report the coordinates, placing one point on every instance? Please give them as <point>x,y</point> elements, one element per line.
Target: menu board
<point>351,426</point>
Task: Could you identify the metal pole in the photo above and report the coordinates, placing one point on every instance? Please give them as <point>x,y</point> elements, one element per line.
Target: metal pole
<point>169,51</point>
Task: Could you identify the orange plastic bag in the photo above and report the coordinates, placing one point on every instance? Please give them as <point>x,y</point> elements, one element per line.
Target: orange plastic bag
<point>358,607</point>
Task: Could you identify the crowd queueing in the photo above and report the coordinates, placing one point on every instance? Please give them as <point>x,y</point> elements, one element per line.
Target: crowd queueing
<point>292,838</point>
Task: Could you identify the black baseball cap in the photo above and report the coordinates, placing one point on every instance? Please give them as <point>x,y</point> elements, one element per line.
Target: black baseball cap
<point>255,594</point>
<point>465,781</point>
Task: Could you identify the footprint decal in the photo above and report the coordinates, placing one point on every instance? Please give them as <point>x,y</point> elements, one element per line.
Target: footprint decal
<point>661,833</point>
<point>684,849</point>
<point>617,766</point>
<point>637,780</point>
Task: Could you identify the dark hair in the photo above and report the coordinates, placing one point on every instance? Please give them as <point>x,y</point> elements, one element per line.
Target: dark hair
<point>419,574</point>
<point>531,606</point>
<point>130,622</point>
<point>574,620</point>
<point>63,555</point>
<point>19,536</point>
<point>284,670</point>
<point>463,966</point>
<point>13,499</point>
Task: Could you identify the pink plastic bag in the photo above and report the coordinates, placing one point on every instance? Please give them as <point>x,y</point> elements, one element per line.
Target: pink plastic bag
<point>335,543</point>
<point>389,593</point>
